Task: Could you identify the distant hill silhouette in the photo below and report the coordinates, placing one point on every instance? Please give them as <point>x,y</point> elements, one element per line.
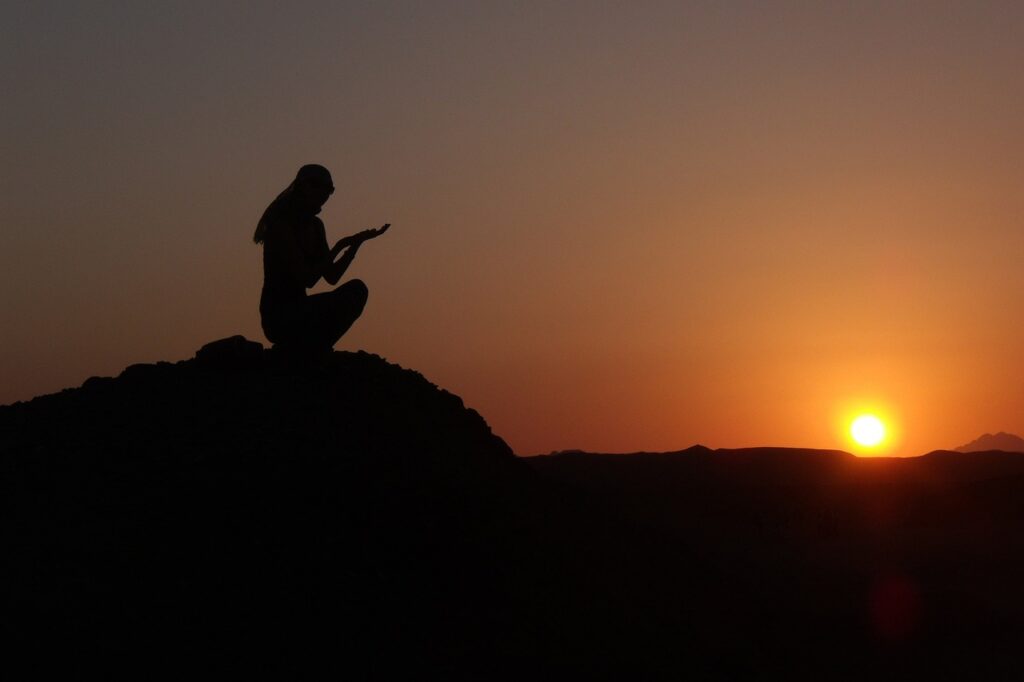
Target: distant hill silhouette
<point>1007,442</point>
<point>236,514</point>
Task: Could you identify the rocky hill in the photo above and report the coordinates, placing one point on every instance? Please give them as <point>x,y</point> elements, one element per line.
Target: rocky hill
<point>234,504</point>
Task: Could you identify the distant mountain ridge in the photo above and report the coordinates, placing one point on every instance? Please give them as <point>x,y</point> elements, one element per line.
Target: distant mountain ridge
<point>1007,442</point>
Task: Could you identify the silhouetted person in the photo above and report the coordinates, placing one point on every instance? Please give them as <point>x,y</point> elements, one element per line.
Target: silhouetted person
<point>295,257</point>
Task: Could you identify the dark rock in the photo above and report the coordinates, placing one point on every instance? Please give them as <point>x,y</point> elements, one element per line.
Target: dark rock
<point>231,353</point>
<point>97,383</point>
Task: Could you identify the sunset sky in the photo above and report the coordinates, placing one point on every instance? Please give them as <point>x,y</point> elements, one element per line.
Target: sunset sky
<point>616,225</point>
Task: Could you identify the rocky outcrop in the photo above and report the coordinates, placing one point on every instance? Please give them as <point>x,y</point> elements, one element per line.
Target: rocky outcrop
<point>240,504</point>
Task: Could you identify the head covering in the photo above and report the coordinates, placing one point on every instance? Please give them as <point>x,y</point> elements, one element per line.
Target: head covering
<point>311,172</point>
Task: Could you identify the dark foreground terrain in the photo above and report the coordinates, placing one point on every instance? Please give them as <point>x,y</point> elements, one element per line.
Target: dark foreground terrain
<point>235,515</point>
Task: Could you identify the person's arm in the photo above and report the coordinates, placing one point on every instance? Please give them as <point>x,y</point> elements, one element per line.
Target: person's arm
<point>335,269</point>
<point>323,263</point>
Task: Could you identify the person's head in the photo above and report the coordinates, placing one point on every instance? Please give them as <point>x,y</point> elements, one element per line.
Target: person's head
<point>312,187</point>
<point>308,192</point>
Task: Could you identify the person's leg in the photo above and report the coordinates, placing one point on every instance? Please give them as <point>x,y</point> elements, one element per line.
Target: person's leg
<point>287,326</point>
<point>335,311</point>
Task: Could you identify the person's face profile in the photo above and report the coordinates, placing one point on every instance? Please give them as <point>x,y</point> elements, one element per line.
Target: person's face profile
<point>316,191</point>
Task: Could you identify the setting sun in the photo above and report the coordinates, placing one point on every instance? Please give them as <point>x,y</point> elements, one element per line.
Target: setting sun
<point>867,430</point>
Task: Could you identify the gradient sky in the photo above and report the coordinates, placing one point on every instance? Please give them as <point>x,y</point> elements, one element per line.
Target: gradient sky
<point>617,225</point>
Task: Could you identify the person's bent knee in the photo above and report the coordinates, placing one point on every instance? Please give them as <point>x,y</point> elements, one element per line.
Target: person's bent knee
<point>358,290</point>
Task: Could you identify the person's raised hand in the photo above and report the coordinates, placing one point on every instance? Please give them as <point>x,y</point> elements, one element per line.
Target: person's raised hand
<point>372,234</point>
<point>360,237</point>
